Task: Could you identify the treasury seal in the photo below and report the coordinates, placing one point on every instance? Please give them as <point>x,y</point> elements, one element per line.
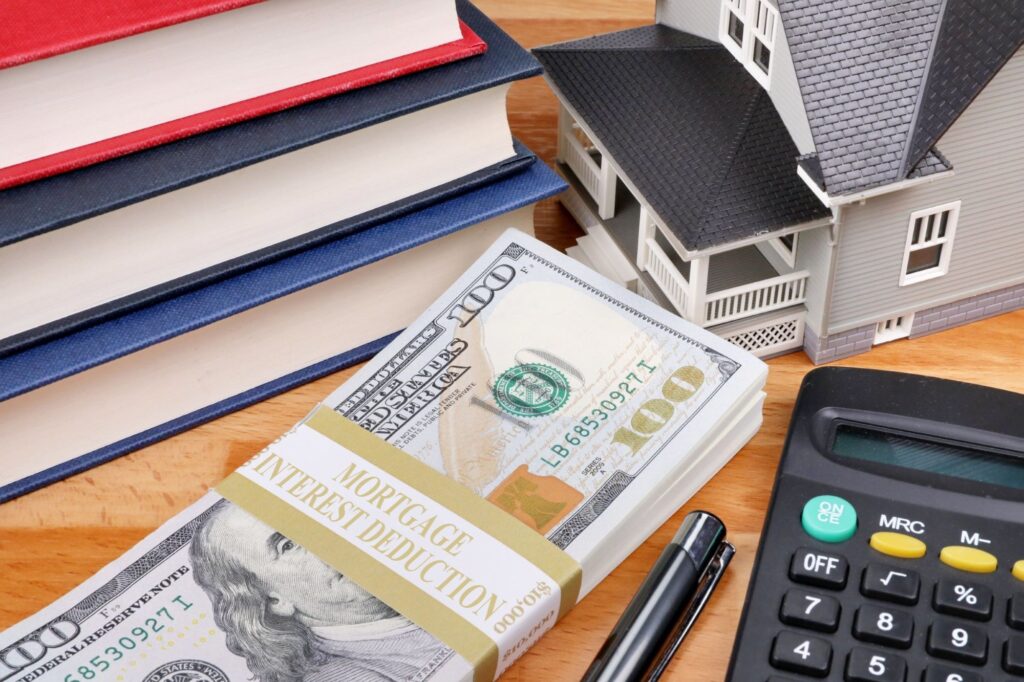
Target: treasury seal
<point>531,390</point>
<point>187,670</point>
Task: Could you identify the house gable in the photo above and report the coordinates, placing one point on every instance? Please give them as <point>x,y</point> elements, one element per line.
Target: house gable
<point>986,144</point>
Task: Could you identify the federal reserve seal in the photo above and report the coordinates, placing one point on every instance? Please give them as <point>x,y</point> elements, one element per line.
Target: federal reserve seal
<point>531,390</point>
<point>187,670</point>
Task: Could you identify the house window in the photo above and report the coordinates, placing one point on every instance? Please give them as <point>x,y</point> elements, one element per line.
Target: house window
<point>785,246</point>
<point>929,243</point>
<point>748,30</point>
<point>763,40</point>
<point>736,29</point>
<point>734,16</point>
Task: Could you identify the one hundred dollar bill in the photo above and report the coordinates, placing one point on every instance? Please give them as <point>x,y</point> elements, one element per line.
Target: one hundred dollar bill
<point>555,394</point>
<point>538,385</point>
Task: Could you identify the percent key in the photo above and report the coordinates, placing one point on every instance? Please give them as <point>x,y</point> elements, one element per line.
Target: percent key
<point>968,600</point>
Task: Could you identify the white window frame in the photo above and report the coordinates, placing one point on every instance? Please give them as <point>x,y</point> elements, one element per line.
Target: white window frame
<point>761,23</point>
<point>927,238</point>
<point>787,255</point>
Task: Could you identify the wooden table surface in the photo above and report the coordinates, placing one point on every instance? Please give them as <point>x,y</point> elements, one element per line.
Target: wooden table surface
<point>55,538</point>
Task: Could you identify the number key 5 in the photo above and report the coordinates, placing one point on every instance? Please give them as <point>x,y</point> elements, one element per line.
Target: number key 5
<point>865,665</point>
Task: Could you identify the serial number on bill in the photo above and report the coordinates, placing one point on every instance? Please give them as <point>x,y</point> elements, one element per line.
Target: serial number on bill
<point>591,423</point>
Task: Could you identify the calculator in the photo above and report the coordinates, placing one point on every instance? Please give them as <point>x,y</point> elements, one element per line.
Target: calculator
<point>893,549</point>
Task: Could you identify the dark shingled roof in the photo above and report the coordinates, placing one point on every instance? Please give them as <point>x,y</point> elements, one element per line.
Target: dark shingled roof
<point>691,129</point>
<point>882,80</point>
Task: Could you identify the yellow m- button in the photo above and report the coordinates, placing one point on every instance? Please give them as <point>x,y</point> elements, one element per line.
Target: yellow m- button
<point>970,559</point>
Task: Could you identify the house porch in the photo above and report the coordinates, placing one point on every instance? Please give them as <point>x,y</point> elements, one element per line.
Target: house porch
<point>765,330</point>
<point>715,289</point>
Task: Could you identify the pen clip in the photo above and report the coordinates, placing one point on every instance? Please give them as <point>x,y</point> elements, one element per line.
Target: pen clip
<point>708,583</point>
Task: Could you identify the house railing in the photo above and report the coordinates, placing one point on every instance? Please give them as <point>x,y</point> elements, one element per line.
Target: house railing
<point>659,266</point>
<point>755,298</point>
<point>583,165</point>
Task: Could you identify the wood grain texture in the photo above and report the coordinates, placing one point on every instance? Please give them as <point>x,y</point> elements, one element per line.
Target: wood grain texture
<point>54,538</point>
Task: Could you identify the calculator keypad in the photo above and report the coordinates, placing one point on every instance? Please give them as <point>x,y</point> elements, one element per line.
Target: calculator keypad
<point>854,613</point>
<point>876,621</point>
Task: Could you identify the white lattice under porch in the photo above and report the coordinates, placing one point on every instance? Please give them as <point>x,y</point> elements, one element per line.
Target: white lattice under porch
<point>767,335</point>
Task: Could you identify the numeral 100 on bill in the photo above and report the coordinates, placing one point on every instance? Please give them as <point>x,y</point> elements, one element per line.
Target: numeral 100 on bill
<point>654,414</point>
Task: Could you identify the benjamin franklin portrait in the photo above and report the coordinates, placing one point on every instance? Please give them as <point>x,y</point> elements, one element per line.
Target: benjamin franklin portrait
<point>294,618</point>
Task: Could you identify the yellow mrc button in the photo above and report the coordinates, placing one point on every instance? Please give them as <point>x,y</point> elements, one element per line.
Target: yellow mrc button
<point>1018,570</point>
<point>970,559</point>
<point>898,545</point>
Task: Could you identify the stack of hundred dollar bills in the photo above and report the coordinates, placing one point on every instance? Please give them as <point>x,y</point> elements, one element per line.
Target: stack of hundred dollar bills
<point>585,411</point>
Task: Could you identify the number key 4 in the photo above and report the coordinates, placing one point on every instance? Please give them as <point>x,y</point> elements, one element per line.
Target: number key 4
<point>801,654</point>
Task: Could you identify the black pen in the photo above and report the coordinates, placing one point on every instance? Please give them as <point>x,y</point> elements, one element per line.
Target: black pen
<point>668,602</point>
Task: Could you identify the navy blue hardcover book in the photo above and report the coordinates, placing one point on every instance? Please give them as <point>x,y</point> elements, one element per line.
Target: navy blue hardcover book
<point>33,209</point>
<point>47,364</point>
<point>18,342</point>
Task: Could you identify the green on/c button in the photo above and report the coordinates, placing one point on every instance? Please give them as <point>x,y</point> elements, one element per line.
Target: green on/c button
<point>829,518</point>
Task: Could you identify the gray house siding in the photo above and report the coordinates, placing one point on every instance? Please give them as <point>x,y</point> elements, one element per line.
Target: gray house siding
<point>785,94</point>
<point>699,17</point>
<point>702,17</point>
<point>986,147</point>
<point>814,255</point>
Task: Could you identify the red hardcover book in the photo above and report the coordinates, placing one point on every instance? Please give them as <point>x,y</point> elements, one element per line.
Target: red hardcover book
<point>36,29</point>
<point>31,30</point>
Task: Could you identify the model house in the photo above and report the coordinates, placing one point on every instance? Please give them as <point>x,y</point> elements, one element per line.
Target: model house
<point>824,174</point>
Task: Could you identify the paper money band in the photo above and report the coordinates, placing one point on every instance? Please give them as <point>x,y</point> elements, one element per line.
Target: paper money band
<point>513,583</point>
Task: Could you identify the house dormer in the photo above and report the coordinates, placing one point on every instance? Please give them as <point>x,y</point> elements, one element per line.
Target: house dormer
<point>748,29</point>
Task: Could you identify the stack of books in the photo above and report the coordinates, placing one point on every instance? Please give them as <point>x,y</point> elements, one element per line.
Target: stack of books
<point>205,203</point>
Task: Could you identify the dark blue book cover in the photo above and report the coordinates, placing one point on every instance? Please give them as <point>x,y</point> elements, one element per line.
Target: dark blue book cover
<point>121,306</point>
<point>100,343</point>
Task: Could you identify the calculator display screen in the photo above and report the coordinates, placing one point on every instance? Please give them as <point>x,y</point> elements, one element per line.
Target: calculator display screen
<point>906,452</point>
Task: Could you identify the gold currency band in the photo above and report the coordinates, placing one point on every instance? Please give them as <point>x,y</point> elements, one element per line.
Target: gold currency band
<point>445,625</point>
